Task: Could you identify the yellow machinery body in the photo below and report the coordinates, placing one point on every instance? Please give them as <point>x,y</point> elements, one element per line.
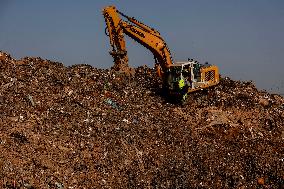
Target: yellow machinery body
<point>179,77</point>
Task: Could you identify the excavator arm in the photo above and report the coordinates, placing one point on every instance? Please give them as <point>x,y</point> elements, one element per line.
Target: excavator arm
<point>143,34</point>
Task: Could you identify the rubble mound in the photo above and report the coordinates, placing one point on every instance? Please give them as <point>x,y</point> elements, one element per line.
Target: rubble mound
<point>83,127</point>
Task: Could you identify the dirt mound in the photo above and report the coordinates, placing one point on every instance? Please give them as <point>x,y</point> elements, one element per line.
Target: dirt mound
<point>83,127</point>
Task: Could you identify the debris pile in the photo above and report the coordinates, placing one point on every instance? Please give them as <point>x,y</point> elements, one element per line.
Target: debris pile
<point>83,127</point>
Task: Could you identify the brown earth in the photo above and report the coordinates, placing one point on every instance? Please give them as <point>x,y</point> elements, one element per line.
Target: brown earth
<point>83,127</point>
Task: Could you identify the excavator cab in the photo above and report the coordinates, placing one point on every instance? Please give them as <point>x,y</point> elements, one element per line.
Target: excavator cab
<point>178,78</point>
<point>184,77</point>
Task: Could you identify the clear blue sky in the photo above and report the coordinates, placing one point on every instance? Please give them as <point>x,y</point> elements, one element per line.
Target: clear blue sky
<point>244,38</point>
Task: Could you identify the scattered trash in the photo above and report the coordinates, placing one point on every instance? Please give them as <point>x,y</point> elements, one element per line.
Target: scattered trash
<point>60,125</point>
<point>264,102</point>
<point>112,103</point>
<point>59,185</point>
<point>31,100</point>
<point>126,121</point>
<point>19,137</point>
<point>260,181</point>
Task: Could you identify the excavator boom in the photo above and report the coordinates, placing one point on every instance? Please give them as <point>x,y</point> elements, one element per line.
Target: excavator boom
<point>143,34</point>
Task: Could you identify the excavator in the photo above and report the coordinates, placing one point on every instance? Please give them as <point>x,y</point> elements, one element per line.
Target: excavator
<point>179,78</point>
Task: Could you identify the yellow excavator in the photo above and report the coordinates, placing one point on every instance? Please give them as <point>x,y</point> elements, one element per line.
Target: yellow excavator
<point>179,78</point>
